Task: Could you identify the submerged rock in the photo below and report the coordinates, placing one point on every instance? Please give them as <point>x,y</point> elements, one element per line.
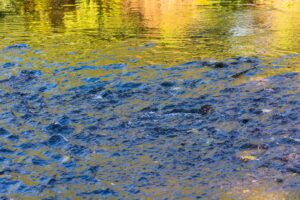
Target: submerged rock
<point>4,132</point>
<point>219,65</point>
<point>206,109</point>
<point>56,140</point>
<point>56,128</point>
<point>17,46</point>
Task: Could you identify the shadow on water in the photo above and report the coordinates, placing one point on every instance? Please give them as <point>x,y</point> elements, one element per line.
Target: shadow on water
<point>2,15</point>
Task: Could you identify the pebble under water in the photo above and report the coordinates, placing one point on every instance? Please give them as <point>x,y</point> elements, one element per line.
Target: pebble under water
<point>119,136</point>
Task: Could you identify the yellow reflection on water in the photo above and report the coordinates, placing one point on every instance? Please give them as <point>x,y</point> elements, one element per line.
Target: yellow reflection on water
<point>182,30</point>
<point>169,17</point>
<point>85,16</point>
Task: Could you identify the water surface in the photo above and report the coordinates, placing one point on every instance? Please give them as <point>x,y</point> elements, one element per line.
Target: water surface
<point>161,32</point>
<point>126,99</point>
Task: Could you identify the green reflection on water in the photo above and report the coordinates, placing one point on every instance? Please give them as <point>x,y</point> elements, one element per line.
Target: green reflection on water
<point>182,30</point>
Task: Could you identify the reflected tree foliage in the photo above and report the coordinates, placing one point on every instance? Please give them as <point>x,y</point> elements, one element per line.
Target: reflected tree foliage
<point>203,28</point>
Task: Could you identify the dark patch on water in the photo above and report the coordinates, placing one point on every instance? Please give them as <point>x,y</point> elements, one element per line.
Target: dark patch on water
<point>16,46</point>
<point>9,65</point>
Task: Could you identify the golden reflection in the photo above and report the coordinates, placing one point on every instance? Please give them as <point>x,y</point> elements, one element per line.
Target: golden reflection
<point>183,30</point>
<point>3,5</point>
<point>85,16</point>
<point>168,18</point>
<point>283,22</point>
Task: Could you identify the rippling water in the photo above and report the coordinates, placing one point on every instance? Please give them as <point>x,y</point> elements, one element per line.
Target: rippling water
<point>108,98</point>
